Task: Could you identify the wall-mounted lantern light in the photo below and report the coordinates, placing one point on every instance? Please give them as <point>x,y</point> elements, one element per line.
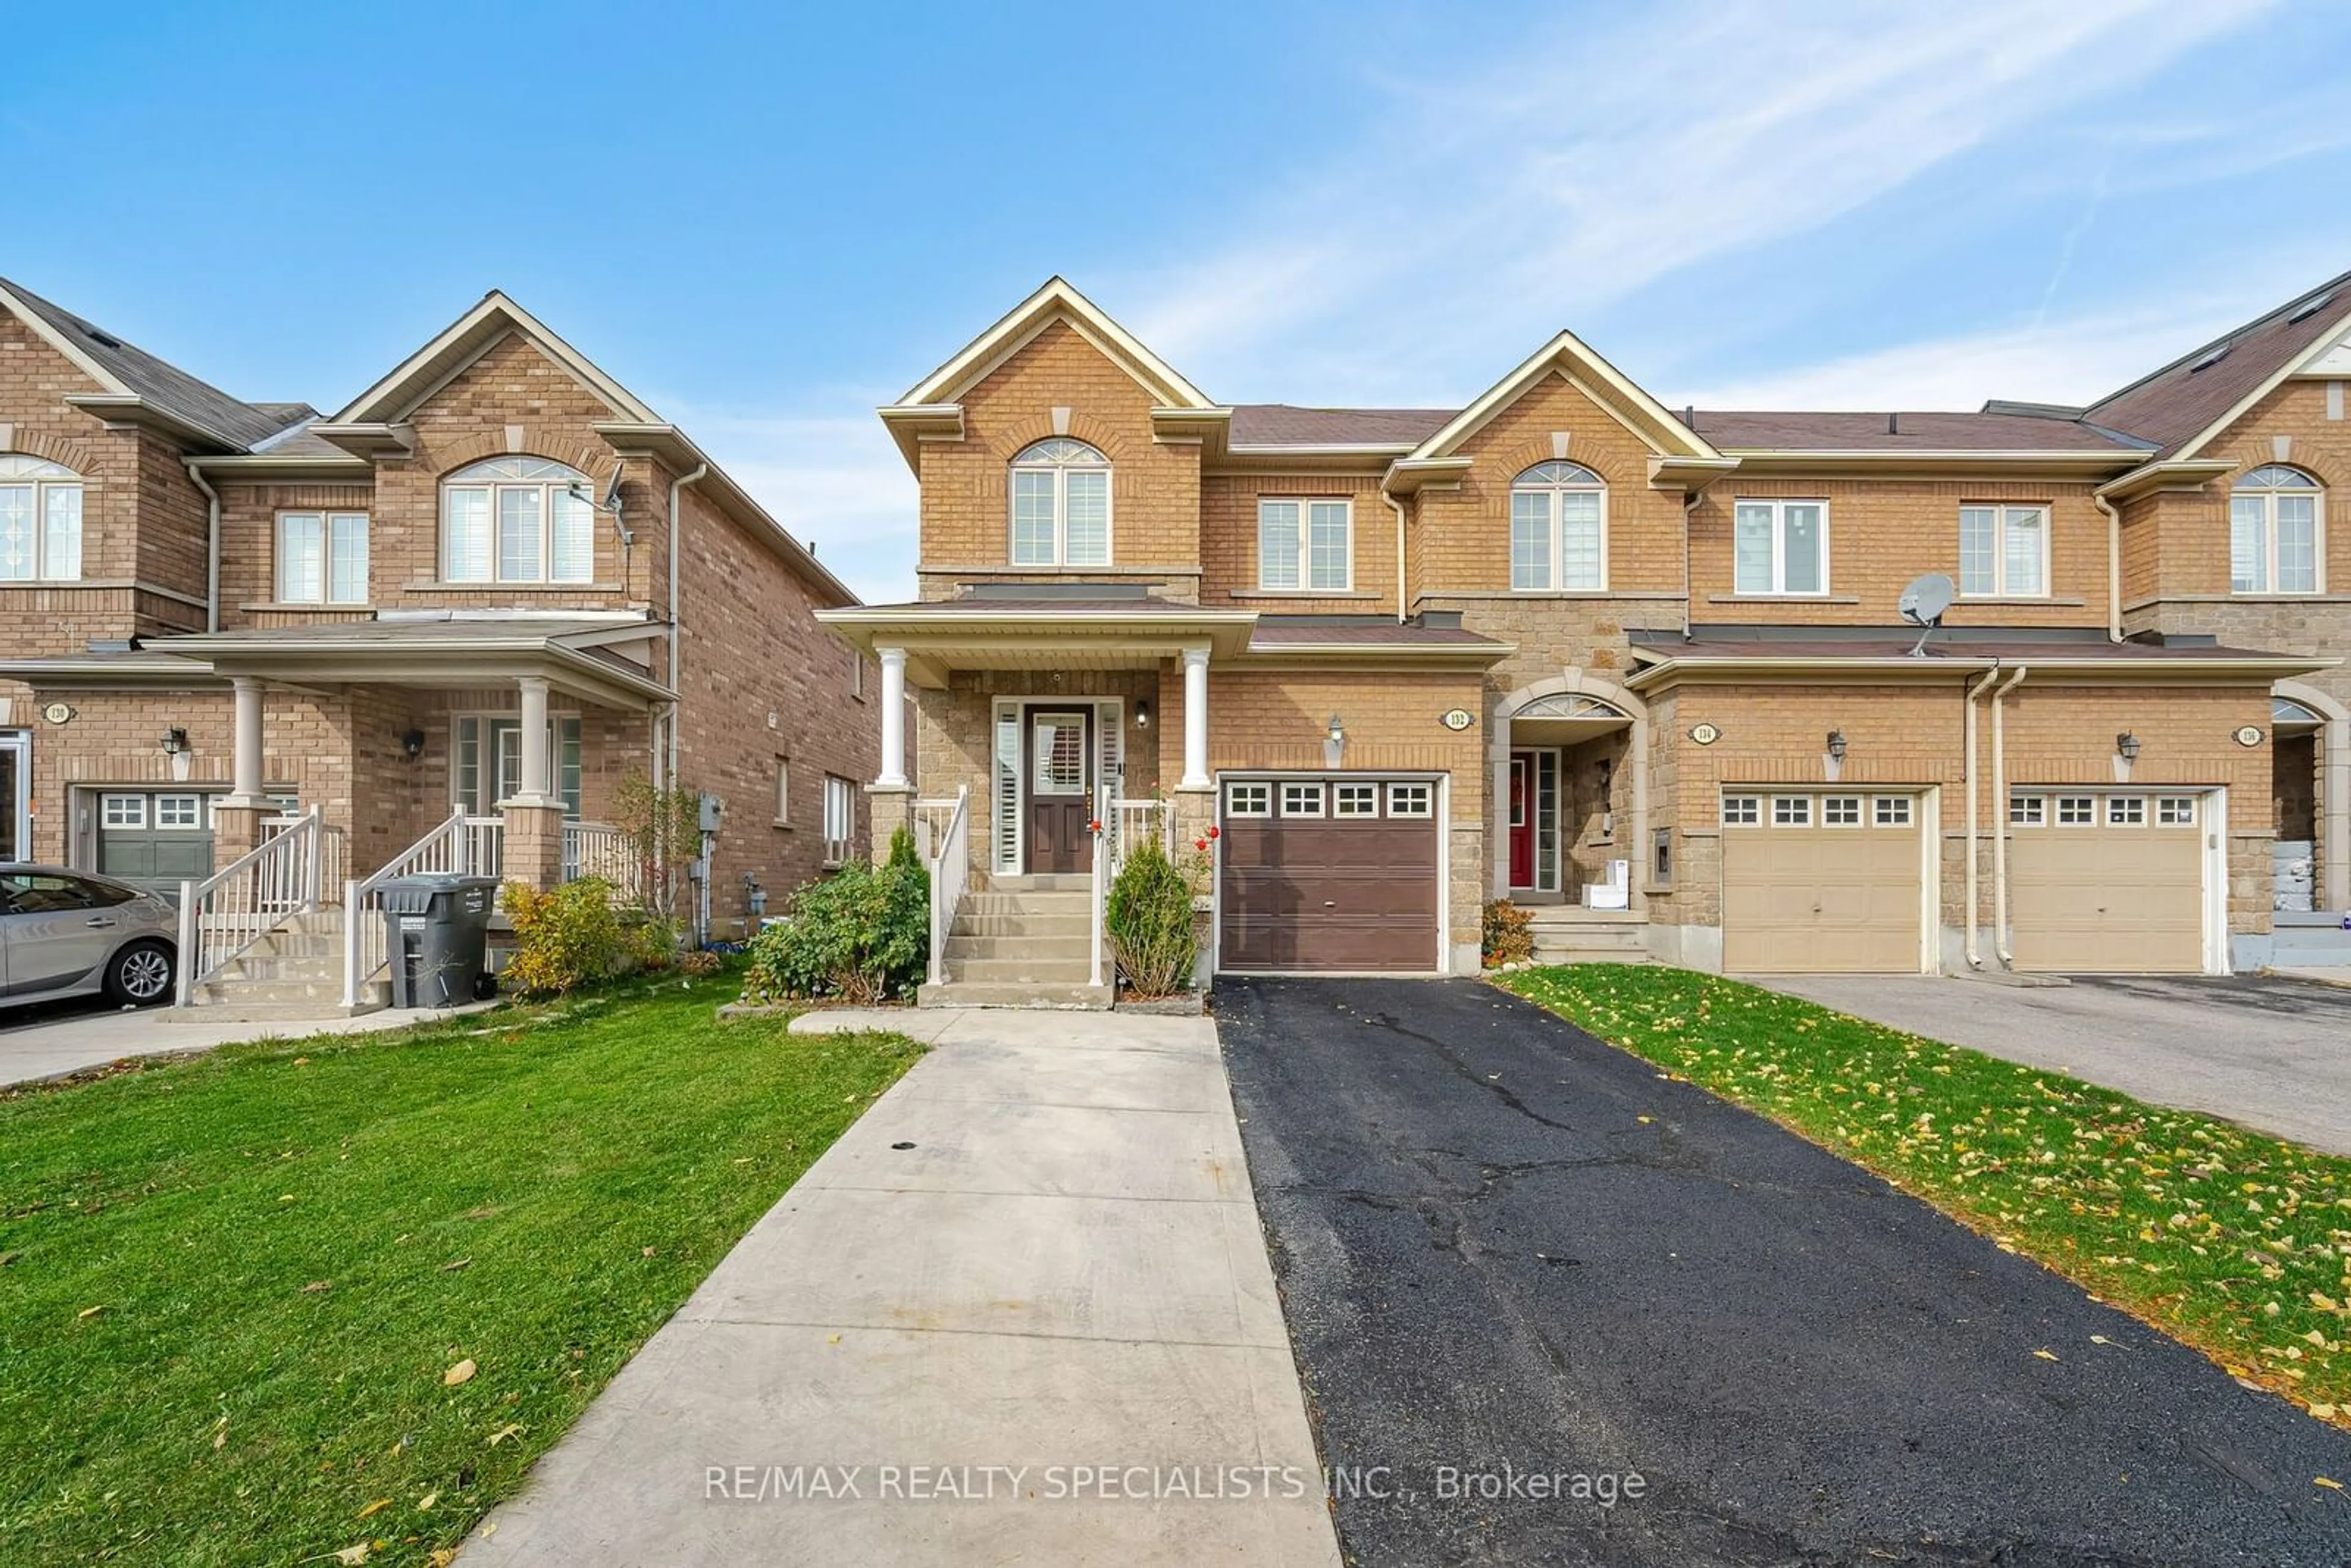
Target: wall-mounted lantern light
<point>412,743</point>
<point>2126,746</point>
<point>175,741</point>
<point>1338,731</point>
<point>1141,714</point>
<point>1837,744</point>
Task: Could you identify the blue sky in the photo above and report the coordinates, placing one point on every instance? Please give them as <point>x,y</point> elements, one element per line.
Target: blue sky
<point>768,219</point>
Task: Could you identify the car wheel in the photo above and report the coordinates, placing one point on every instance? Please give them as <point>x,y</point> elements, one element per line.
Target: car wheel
<point>140,975</point>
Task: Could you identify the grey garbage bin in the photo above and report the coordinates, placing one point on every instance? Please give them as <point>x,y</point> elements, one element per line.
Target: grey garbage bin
<point>436,936</point>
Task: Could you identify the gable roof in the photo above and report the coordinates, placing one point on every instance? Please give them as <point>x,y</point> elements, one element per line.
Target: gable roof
<point>123,371</point>
<point>935,399</point>
<point>2187,402</point>
<point>1568,355</point>
<point>465,340</point>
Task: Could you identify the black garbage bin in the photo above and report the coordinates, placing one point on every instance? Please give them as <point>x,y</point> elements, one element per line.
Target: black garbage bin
<point>436,934</point>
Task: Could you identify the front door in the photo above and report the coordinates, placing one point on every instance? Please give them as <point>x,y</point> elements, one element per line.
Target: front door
<point>1060,796</point>
<point>1522,818</point>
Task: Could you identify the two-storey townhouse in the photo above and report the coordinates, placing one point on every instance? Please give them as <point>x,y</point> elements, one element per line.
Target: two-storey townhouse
<point>1645,670</point>
<point>450,621</point>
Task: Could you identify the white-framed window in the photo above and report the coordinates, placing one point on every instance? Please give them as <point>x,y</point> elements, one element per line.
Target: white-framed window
<point>2027,810</point>
<point>1301,800</point>
<point>839,817</point>
<point>2004,551</point>
<point>1792,810</point>
<point>2276,532</point>
<point>123,811</point>
<point>1841,812</point>
<point>1060,505</point>
<point>1412,801</point>
<point>1306,544</point>
<point>1354,799</point>
<point>40,520</point>
<point>486,760</point>
<point>181,811</point>
<point>1559,529</point>
<point>2125,810</point>
<point>516,519</point>
<point>1779,546</point>
<point>1891,811</point>
<point>1741,810</point>
<point>1249,800</point>
<point>783,792</point>
<point>2076,810</point>
<point>322,558</point>
<point>2174,811</point>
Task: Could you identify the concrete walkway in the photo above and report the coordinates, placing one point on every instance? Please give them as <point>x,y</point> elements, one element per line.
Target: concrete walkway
<point>58,1039</point>
<point>1020,1313</point>
<point>2268,1052</point>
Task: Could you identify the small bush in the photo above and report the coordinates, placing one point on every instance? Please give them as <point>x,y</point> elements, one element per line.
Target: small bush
<point>1510,937</point>
<point>860,934</point>
<point>698,964</point>
<point>1148,917</point>
<point>652,944</point>
<point>564,938</point>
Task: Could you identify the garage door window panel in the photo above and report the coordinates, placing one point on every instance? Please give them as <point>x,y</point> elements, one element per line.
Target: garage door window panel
<point>1248,800</point>
<point>2125,810</point>
<point>1301,800</point>
<point>1792,810</point>
<point>1891,811</point>
<point>1841,812</point>
<point>2175,811</point>
<point>1741,810</point>
<point>2077,810</point>
<point>1411,801</point>
<point>2027,810</point>
<point>1355,800</point>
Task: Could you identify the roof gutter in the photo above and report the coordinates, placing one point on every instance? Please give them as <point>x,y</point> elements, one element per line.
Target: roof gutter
<point>676,489</point>
<point>211,546</point>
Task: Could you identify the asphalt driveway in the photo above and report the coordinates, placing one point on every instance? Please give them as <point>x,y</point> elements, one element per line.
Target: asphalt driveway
<point>1506,1249</point>
<point>2271,1053</point>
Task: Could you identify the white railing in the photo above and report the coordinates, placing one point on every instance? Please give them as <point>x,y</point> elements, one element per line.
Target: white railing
<point>950,867</point>
<point>1132,823</point>
<point>1098,877</point>
<point>930,821</point>
<point>600,850</point>
<point>222,917</point>
<point>469,846</point>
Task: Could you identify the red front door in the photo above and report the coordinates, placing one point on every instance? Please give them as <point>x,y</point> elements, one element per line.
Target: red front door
<point>1522,818</point>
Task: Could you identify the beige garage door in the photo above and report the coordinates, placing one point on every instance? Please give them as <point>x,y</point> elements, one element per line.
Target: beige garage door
<point>2106,882</point>
<point>1820,882</point>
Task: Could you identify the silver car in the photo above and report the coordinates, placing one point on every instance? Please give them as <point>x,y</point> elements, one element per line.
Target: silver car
<point>71,933</point>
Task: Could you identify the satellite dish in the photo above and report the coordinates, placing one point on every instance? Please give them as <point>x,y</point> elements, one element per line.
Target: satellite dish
<point>612,502</point>
<point>1923,604</point>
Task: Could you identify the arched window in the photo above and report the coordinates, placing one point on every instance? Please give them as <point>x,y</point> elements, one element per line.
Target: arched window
<point>1060,505</point>
<point>2276,532</point>
<point>517,519</point>
<point>1559,529</point>
<point>40,520</point>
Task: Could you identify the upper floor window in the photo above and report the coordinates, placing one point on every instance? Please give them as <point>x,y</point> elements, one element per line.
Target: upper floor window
<point>40,520</point>
<point>322,558</point>
<point>1305,545</point>
<point>2004,551</point>
<point>516,519</point>
<point>2274,532</point>
<point>1779,546</point>
<point>1559,529</point>
<point>1060,505</point>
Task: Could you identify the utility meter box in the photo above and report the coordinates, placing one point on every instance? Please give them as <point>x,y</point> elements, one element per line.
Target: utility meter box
<point>711,810</point>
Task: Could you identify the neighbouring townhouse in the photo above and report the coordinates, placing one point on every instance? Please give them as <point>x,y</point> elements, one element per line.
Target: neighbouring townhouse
<point>438,629</point>
<point>1644,670</point>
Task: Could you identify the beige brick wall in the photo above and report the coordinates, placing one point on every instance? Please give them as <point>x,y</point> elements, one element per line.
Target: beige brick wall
<point>1155,489</point>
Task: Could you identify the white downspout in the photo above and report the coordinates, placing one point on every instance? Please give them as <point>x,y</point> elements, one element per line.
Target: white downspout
<point>212,547</point>
<point>676,488</point>
<point>1975,958</point>
<point>1403,604</point>
<point>2000,820</point>
<point>2113,565</point>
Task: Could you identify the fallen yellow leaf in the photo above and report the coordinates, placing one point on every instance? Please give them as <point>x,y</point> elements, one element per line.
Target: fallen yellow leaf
<point>424,1504</point>
<point>458,1373</point>
<point>503,1433</point>
<point>2323,1411</point>
<point>2330,1486</point>
<point>378,1506</point>
<point>354,1554</point>
<point>2045,1355</point>
<point>91,1312</point>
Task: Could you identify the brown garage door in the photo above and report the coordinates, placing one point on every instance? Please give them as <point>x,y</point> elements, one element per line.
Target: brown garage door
<point>2106,882</point>
<point>1331,874</point>
<point>1820,882</point>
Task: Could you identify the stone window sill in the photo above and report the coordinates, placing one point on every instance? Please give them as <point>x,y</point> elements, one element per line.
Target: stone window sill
<point>1307,593</point>
<point>433,587</point>
<point>1783,598</point>
<point>305,607</point>
<point>2020,598</point>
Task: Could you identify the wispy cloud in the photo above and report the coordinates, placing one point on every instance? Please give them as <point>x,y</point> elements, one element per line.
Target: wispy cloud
<point>1573,169</point>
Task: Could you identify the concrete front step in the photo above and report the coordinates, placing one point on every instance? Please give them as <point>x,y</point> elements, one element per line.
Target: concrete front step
<point>215,1003</point>
<point>1001,904</point>
<point>965,944</point>
<point>1066,998</point>
<point>1043,927</point>
<point>1043,881</point>
<point>1028,969</point>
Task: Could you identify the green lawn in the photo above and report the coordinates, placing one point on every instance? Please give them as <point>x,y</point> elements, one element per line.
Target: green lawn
<point>2237,1243</point>
<point>235,1289</point>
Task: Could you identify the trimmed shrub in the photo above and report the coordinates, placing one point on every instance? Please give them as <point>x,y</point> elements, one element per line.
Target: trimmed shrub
<point>1148,918</point>
<point>860,934</point>
<point>565,938</point>
<point>1508,933</point>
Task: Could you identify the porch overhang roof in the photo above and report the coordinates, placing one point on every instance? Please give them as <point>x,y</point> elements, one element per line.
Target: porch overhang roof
<point>574,657</point>
<point>1957,653</point>
<point>127,670</point>
<point>964,635</point>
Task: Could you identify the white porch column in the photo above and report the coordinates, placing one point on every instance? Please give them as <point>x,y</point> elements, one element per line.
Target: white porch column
<point>893,718</point>
<point>536,786</point>
<point>246,779</point>
<point>1196,719</point>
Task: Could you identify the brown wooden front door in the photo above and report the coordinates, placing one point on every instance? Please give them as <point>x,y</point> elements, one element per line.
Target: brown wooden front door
<point>1060,798</point>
